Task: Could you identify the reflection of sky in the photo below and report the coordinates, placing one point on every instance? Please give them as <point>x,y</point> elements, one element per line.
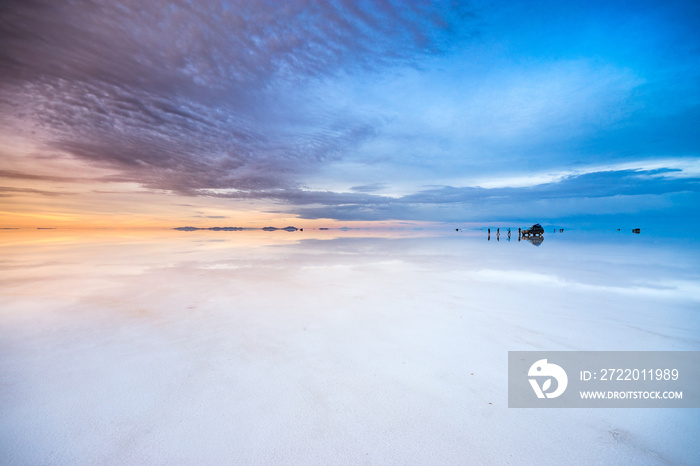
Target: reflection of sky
<point>242,111</point>
<point>274,346</point>
<point>614,261</point>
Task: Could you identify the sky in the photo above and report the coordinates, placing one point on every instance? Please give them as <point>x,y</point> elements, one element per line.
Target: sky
<point>249,113</point>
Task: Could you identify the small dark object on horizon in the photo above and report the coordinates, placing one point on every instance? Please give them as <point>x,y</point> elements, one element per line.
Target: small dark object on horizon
<point>637,231</point>
<point>534,230</point>
<point>290,228</point>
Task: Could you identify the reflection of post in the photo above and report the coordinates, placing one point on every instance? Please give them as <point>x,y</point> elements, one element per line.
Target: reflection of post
<point>489,238</point>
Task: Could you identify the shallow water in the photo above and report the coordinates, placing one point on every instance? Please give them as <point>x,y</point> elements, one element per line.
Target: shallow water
<point>329,347</point>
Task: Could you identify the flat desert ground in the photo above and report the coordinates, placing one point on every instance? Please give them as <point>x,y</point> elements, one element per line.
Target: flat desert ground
<point>329,347</point>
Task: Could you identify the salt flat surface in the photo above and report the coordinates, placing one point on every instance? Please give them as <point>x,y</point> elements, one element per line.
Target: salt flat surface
<point>329,347</point>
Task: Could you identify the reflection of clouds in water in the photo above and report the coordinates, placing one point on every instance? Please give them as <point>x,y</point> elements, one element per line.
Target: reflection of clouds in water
<point>602,263</point>
<point>671,289</point>
<point>241,346</point>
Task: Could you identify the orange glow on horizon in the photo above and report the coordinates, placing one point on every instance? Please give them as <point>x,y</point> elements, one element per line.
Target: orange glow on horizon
<point>61,191</point>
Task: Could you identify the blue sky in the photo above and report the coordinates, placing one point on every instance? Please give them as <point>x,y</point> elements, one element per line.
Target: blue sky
<point>376,110</point>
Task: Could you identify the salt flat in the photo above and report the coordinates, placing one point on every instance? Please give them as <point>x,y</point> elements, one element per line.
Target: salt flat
<point>330,347</point>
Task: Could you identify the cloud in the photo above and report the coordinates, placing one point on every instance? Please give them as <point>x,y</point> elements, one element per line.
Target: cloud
<point>350,109</point>
<point>211,95</point>
<point>368,188</point>
<point>608,192</point>
<point>7,191</point>
<point>17,175</point>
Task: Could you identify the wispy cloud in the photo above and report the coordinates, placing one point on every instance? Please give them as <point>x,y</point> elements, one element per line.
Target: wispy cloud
<point>7,191</point>
<point>368,188</point>
<point>18,175</point>
<point>183,96</point>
